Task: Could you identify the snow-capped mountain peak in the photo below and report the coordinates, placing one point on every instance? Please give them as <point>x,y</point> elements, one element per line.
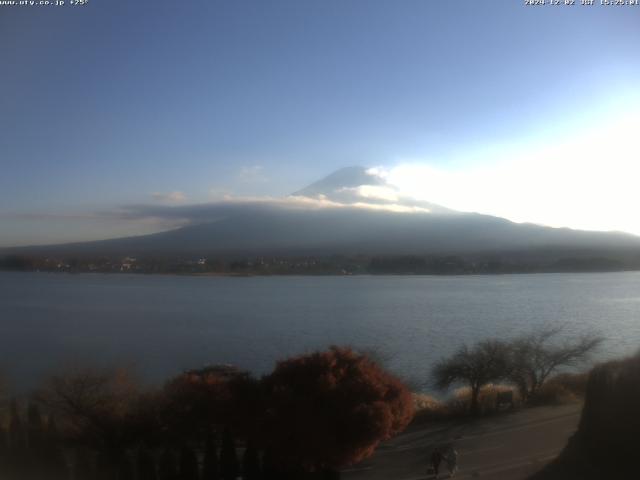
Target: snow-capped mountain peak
<point>362,186</point>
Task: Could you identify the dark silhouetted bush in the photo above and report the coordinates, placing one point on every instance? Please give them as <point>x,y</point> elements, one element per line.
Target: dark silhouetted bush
<point>17,461</point>
<point>35,432</point>
<point>188,464</point>
<point>250,463</point>
<point>229,467</point>
<point>167,466</point>
<point>315,413</point>
<point>107,465</point>
<point>99,408</point>
<point>146,465</point>
<point>198,401</point>
<point>210,469</point>
<point>330,409</point>
<point>610,425</point>
<point>606,443</point>
<point>53,459</point>
<point>552,393</point>
<point>4,451</point>
<point>269,467</point>
<point>125,468</point>
<point>83,465</point>
<point>576,383</point>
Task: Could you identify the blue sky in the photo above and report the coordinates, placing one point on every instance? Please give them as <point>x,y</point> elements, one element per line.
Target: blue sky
<point>120,102</point>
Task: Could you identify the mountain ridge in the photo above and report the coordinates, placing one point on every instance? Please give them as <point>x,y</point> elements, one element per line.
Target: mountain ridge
<point>348,226</point>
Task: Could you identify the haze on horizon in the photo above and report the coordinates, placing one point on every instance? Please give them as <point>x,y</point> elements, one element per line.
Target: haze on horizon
<point>530,114</point>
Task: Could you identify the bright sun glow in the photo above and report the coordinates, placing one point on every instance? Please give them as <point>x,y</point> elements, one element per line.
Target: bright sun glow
<point>586,181</point>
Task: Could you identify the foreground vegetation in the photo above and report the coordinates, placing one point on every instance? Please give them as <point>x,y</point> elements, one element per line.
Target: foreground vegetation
<point>313,415</point>
<point>525,362</point>
<point>606,443</point>
<point>561,389</point>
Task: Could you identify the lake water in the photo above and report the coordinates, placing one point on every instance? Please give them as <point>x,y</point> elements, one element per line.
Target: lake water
<point>163,324</point>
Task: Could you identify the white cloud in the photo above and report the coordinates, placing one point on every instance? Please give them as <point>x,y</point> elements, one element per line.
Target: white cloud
<point>321,201</point>
<point>169,197</point>
<point>373,192</point>
<point>378,172</point>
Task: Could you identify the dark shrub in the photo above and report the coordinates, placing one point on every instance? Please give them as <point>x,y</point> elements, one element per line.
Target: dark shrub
<point>606,443</point>
<point>210,461</point>
<point>330,409</point>
<point>229,467</point>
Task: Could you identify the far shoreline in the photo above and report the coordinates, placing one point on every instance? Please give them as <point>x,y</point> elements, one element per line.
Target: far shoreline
<point>332,275</point>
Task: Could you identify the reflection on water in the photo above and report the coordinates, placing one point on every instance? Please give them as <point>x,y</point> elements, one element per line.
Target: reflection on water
<point>162,324</point>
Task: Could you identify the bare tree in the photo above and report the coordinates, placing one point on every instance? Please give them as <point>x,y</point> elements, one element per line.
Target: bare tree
<point>485,362</point>
<point>94,406</point>
<point>535,356</point>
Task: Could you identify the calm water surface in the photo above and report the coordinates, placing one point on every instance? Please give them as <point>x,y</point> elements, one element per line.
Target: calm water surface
<point>163,324</point>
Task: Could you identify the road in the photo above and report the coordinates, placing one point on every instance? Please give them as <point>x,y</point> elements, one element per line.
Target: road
<point>506,447</point>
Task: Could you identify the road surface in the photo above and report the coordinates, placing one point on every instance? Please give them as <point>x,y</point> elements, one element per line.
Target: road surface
<point>505,447</point>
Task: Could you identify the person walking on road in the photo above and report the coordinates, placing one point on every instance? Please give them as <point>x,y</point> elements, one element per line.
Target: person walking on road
<point>452,461</point>
<point>436,460</point>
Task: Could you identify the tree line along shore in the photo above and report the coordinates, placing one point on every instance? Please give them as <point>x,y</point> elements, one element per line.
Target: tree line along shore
<point>478,264</point>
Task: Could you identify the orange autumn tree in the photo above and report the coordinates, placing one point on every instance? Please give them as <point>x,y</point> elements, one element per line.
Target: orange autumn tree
<point>198,402</point>
<point>331,409</point>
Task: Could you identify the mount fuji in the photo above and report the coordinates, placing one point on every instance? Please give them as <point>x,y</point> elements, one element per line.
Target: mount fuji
<point>351,212</point>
